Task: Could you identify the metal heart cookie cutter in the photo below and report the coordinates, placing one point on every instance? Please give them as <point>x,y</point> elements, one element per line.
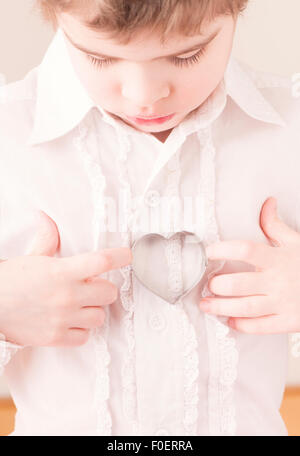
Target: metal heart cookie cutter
<point>153,267</point>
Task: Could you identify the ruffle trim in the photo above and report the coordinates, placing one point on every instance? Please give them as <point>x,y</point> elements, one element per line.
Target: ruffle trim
<point>223,354</point>
<point>126,295</point>
<point>173,252</point>
<point>102,357</point>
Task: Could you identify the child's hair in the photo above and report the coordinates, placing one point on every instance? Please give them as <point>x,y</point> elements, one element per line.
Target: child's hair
<point>119,19</point>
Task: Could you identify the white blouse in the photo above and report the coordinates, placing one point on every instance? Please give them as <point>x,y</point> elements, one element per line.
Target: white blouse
<point>154,368</point>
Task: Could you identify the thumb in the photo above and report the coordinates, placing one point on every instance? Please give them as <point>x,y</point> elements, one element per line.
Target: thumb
<point>46,240</point>
<point>275,229</point>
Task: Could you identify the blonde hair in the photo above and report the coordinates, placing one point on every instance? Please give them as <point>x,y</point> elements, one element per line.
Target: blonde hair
<point>119,19</point>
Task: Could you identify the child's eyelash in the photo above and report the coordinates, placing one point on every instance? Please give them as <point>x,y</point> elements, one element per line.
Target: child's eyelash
<point>190,60</point>
<point>100,63</point>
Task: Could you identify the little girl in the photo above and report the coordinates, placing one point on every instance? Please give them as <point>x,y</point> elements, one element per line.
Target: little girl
<point>148,153</point>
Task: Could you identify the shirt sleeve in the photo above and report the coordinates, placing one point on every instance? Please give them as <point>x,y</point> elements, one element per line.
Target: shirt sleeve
<point>7,351</point>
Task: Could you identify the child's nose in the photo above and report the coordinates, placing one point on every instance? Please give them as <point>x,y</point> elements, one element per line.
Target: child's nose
<point>144,95</point>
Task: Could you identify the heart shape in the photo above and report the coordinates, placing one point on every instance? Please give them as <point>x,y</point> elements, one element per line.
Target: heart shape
<point>153,263</point>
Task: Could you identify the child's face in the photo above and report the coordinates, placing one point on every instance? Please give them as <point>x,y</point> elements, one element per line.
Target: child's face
<point>141,80</point>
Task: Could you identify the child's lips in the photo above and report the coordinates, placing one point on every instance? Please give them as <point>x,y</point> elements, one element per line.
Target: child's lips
<point>148,120</point>
<point>154,116</point>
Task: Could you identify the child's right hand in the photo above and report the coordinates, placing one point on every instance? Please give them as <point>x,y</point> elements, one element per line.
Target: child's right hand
<point>49,301</point>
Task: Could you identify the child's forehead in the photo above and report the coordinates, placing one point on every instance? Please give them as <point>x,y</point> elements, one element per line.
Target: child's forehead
<point>149,41</point>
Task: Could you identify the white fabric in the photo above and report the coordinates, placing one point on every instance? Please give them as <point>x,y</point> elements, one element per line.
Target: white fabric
<point>153,368</point>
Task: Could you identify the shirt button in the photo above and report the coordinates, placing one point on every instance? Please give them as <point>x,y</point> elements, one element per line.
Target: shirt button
<point>161,432</point>
<point>152,198</point>
<point>157,322</point>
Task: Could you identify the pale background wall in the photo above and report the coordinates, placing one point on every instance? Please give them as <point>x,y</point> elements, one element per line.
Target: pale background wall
<point>268,38</point>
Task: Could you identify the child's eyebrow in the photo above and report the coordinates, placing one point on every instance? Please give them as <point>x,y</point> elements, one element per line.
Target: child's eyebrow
<point>183,51</point>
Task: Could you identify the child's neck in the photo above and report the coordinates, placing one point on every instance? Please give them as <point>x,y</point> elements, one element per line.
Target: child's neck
<point>162,135</point>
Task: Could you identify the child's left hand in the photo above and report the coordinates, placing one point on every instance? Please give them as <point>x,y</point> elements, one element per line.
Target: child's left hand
<point>266,301</point>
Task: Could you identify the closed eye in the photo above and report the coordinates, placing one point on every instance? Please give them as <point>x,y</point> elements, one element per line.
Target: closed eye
<point>177,61</point>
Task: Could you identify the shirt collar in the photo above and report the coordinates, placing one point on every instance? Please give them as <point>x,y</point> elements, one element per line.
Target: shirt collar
<point>242,89</point>
<point>62,101</point>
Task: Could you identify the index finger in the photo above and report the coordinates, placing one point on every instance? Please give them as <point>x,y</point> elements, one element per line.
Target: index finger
<point>257,254</point>
<point>91,264</point>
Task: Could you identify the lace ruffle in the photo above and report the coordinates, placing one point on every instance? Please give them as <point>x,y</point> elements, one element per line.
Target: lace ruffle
<point>126,296</point>
<point>223,354</point>
<point>173,252</point>
<point>104,421</point>
<point>98,182</point>
<point>191,375</point>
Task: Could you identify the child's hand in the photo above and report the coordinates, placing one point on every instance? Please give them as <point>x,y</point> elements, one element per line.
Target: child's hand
<point>267,300</point>
<point>55,301</point>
